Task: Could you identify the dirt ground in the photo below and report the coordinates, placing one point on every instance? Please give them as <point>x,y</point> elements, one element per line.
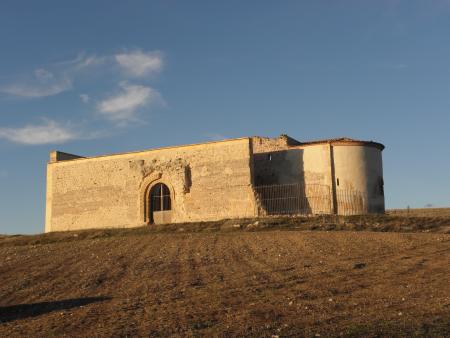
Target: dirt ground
<point>265,278</point>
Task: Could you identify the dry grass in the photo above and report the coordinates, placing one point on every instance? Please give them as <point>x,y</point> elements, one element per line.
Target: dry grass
<point>425,212</point>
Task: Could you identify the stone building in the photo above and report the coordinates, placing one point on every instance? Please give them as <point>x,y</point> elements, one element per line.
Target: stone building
<point>237,178</point>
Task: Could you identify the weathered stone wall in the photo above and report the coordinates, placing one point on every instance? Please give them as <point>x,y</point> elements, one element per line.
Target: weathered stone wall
<point>266,144</point>
<point>207,182</point>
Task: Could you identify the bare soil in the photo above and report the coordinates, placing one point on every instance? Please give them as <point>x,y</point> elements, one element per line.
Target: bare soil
<point>272,277</point>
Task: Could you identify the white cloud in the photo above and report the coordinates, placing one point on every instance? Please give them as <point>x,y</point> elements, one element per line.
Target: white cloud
<point>44,83</point>
<point>81,62</point>
<point>35,91</point>
<point>43,74</point>
<point>85,98</point>
<point>122,107</point>
<point>60,77</point>
<point>88,62</point>
<point>138,63</point>
<point>47,132</point>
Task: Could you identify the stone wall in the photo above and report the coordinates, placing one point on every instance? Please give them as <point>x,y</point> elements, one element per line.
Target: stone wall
<point>267,144</point>
<point>207,181</point>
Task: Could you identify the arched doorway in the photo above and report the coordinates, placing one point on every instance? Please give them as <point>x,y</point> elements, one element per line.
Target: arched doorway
<point>160,204</point>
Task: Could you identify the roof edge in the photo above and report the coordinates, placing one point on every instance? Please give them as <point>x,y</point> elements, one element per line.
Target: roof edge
<point>344,141</point>
<point>148,150</point>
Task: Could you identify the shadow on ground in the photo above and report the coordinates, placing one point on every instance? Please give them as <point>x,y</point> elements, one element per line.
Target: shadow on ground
<point>21,311</point>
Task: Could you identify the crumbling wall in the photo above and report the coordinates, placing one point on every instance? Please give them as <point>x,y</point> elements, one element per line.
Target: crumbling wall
<point>267,144</point>
<point>207,182</point>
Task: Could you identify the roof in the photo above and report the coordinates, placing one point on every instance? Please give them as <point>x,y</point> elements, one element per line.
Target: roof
<point>344,141</point>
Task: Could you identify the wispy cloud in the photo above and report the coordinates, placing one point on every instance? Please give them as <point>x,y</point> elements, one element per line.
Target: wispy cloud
<point>138,63</point>
<point>122,107</point>
<point>43,75</point>
<point>48,132</point>
<point>48,82</point>
<point>81,61</point>
<point>215,136</point>
<point>43,83</point>
<point>85,98</point>
<point>59,77</point>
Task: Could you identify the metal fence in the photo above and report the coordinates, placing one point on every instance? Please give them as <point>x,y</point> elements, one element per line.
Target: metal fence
<point>350,202</point>
<point>313,199</point>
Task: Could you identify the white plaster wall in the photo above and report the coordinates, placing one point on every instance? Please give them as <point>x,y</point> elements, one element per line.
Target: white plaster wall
<point>316,164</point>
<point>360,168</point>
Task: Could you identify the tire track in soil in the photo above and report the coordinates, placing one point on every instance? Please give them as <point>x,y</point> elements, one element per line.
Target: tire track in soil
<point>51,274</point>
<point>133,283</point>
<point>139,288</point>
<point>174,297</point>
<point>277,279</point>
<point>235,294</point>
<point>208,284</point>
<point>104,276</point>
<point>202,285</point>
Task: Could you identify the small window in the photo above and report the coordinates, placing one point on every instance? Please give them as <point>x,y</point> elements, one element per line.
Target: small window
<point>337,182</point>
<point>160,198</point>
<point>269,157</point>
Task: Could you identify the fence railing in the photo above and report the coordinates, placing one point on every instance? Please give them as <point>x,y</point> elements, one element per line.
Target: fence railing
<point>309,199</point>
<point>350,202</point>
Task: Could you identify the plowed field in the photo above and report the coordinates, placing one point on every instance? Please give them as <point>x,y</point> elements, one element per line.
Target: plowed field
<point>236,283</point>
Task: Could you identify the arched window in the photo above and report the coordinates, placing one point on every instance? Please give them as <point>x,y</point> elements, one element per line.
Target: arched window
<point>159,198</point>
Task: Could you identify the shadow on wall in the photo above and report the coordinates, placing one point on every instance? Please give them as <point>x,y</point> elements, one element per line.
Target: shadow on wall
<point>280,182</point>
<point>21,311</point>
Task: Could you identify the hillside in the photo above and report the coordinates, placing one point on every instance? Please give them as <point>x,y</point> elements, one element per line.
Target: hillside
<point>265,278</point>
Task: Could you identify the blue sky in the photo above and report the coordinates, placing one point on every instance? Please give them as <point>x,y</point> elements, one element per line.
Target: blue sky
<point>95,77</point>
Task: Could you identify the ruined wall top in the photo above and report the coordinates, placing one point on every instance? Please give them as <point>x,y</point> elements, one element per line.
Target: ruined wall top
<point>267,144</point>
<point>260,145</point>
